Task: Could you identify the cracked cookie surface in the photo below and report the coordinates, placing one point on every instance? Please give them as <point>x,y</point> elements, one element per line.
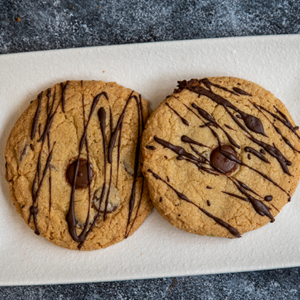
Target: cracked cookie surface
<point>221,156</point>
<point>73,164</point>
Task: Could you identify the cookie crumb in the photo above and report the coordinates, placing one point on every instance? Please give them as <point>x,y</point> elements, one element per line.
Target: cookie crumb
<point>18,19</point>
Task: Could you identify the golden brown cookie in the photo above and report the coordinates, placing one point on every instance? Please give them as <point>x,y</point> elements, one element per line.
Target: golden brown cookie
<point>73,164</point>
<point>221,156</point>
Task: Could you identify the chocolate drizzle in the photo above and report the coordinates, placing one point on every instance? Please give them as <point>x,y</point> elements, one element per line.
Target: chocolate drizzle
<point>37,181</point>
<point>80,172</point>
<point>212,122</point>
<point>35,194</point>
<point>186,139</point>
<point>273,151</point>
<point>177,149</point>
<point>208,84</point>
<point>184,121</point>
<point>256,153</point>
<point>252,122</point>
<point>283,119</point>
<point>70,217</point>
<point>36,116</point>
<point>63,94</point>
<point>241,92</point>
<point>181,196</point>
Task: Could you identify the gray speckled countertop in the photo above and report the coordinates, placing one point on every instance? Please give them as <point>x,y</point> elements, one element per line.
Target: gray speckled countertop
<point>54,24</point>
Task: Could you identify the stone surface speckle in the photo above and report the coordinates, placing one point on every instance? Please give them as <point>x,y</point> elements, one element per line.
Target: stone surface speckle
<point>43,24</point>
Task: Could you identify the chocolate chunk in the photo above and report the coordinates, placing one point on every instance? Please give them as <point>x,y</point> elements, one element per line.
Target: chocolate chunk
<point>82,180</point>
<point>222,163</point>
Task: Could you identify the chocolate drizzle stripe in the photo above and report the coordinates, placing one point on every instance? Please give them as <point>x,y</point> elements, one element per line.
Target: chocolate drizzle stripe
<point>63,94</point>
<point>256,153</point>
<point>273,151</point>
<point>119,151</point>
<point>208,84</point>
<point>142,189</point>
<point>184,121</point>
<point>212,122</point>
<point>102,121</point>
<point>70,217</point>
<point>186,139</point>
<point>231,229</point>
<point>88,175</point>
<point>236,196</point>
<point>243,185</point>
<point>177,149</point>
<point>50,118</point>
<point>229,127</point>
<point>258,206</point>
<point>36,116</point>
<point>108,192</point>
<point>50,183</point>
<point>241,92</point>
<point>117,128</point>
<point>136,166</point>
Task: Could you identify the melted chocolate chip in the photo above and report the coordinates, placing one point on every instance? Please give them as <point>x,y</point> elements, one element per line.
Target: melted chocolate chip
<point>222,163</point>
<point>208,202</point>
<point>82,180</point>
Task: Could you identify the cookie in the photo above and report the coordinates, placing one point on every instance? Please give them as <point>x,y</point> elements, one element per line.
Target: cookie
<point>221,157</point>
<point>73,164</point>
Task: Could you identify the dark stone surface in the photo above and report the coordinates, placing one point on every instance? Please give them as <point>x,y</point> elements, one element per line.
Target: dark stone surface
<point>56,24</point>
<point>65,23</point>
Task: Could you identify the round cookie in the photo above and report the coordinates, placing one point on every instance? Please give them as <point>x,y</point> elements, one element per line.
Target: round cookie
<point>73,164</point>
<point>221,156</point>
